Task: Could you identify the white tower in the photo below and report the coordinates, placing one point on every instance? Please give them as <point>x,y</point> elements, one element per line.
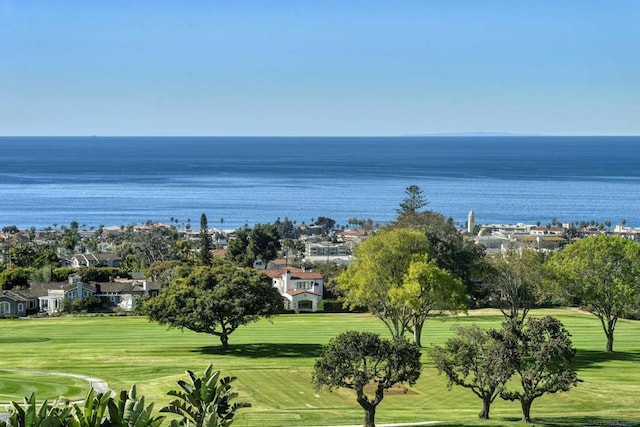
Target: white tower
<point>471,222</point>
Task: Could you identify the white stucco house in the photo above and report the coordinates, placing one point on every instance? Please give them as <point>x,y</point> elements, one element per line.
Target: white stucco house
<point>302,290</point>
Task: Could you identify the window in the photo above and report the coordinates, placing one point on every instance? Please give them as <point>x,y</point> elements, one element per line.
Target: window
<point>305,305</point>
<point>20,307</point>
<point>5,307</point>
<point>304,285</point>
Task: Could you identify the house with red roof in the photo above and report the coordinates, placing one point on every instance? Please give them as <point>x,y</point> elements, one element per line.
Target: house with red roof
<point>302,290</point>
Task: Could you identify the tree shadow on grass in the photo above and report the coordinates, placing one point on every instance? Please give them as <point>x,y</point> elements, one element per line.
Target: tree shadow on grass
<point>262,350</point>
<point>593,359</point>
<point>585,421</point>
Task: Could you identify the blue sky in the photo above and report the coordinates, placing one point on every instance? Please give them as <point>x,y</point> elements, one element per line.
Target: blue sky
<point>279,67</point>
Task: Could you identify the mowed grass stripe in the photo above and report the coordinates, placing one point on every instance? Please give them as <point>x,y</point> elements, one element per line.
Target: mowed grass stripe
<point>273,361</point>
<point>47,387</point>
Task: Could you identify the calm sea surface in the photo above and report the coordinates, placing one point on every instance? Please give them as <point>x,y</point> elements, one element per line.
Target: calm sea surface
<point>121,181</point>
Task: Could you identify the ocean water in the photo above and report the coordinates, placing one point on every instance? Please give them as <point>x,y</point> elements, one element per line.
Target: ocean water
<point>236,180</point>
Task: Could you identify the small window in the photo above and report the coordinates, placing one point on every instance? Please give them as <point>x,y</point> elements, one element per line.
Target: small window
<point>5,307</point>
<point>20,307</point>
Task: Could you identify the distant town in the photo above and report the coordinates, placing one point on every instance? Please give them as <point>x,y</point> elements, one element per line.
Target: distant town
<point>41,270</point>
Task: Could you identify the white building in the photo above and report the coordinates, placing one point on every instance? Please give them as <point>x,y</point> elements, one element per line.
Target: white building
<point>302,290</point>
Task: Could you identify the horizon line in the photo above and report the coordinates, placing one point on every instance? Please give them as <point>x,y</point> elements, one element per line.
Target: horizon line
<point>417,135</point>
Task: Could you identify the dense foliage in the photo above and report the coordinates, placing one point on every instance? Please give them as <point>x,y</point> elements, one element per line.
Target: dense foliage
<point>602,274</point>
<point>369,365</point>
<point>215,300</point>
<point>205,401</point>
<point>392,274</point>
<point>475,360</point>
<point>541,353</point>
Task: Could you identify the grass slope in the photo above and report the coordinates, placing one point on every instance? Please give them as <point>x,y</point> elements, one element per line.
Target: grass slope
<point>273,363</point>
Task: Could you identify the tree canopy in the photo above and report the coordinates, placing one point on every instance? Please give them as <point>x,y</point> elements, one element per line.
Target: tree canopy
<point>461,257</point>
<point>427,289</point>
<point>379,265</point>
<point>215,300</point>
<point>248,245</point>
<point>516,281</point>
<point>368,364</point>
<point>205,241</point>
<point>602,274</point>
<point>414,201</point>
<point>541,353</point>
<point>475,360</point>
<point>393,276</point>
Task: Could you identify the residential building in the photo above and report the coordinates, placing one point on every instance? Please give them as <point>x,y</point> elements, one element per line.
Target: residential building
<point>302,290</point>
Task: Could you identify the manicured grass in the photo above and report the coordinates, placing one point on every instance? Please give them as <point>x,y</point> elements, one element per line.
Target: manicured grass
<point>14,385</point>
<point>273,362</point>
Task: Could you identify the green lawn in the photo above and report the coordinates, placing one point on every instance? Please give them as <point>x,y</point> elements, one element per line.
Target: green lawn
<point>273,362</point>
<point>14,385</point>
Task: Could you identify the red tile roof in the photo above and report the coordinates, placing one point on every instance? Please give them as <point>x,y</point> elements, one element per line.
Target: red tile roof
<point>302,291</point>
<point>296,273</point>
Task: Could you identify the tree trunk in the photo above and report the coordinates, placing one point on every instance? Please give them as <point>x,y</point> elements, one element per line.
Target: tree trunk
<point>526,410</point>
<point>417,334</point>
<point>370,416</point>
<point>609,342</point>
<point>224,340</point>
<point>368,406</point>
<point>486,404</point>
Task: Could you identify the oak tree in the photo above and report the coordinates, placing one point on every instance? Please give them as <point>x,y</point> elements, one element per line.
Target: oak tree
<point>369,365</point>
<point>475,360</point>
<point>541,353</point>
<point>215,300</point>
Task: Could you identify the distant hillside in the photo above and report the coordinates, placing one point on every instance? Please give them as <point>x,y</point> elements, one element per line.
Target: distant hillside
<point>477,134</point>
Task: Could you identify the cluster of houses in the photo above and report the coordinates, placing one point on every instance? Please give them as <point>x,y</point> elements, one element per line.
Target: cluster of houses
<point>48,298</point>
<point>301,290</point>
<point>499,237</point>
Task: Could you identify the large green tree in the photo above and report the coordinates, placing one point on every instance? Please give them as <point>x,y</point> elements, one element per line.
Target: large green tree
<point>23,256</point>
<point>541,353</point>
<point>15,278</point>
<point>368,364</point>
<point>516,280</point>
<point>380,264</point>
<point>426,290</point>
<point>215,300</point>
<point>264,243</point>
<point>248,245</point>
<point>414,201</point>
<point>237,248</point>
<point>447,246</point>
<point>475,360</point>
<point>602,274</point>
<point>392,275</point>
